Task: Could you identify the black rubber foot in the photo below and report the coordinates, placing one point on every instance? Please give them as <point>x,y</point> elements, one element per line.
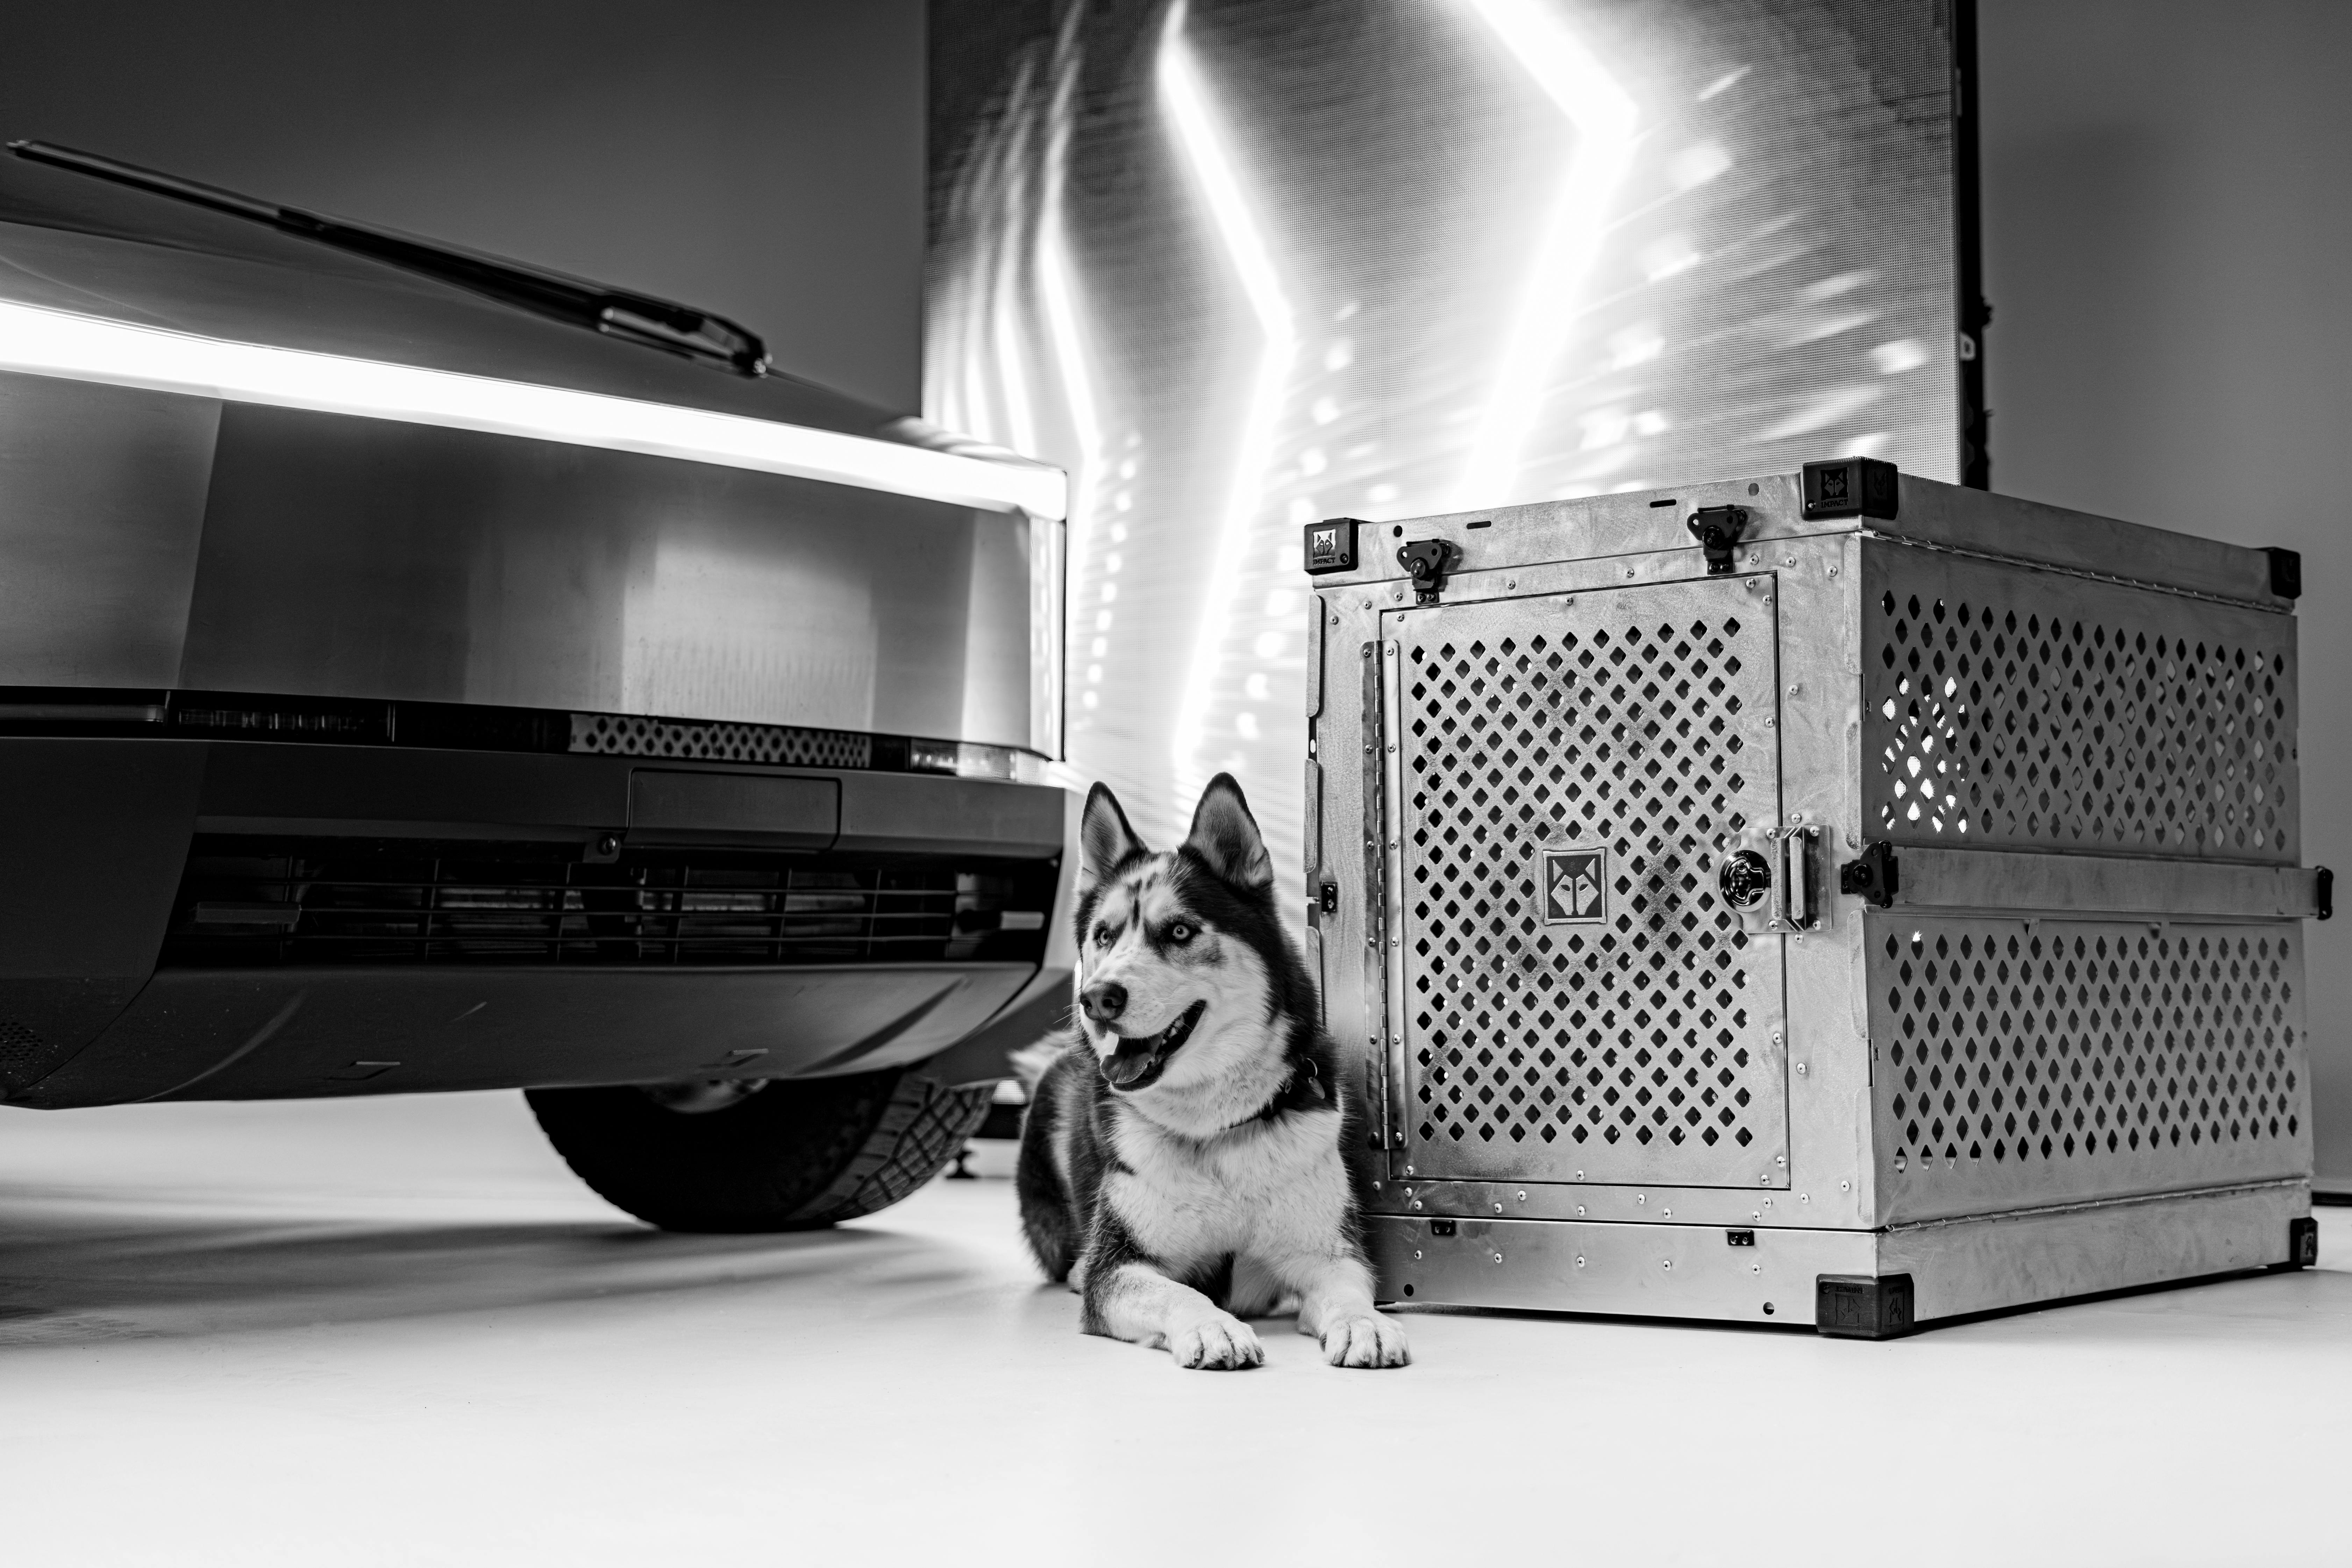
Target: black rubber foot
<point>2302,1242</point>
<point>1864,1306</point>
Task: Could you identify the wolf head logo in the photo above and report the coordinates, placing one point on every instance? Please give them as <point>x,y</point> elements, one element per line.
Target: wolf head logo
<point>1575,885</point>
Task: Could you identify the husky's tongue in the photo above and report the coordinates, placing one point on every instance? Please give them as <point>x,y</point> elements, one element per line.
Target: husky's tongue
<point>1138,1062</point>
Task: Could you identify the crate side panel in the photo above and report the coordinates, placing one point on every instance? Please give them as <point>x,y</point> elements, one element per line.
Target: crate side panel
<point>2010,708</point>
<point>2018,1063</point>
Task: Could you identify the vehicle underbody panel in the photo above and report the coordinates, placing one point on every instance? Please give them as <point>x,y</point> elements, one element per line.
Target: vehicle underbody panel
<point>255,919</point>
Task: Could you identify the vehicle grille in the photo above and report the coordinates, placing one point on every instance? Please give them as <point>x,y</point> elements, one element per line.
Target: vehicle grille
<point>246,902</point>
<point>620,735</point>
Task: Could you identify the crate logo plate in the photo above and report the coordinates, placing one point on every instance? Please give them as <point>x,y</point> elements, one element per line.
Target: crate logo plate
<point>1331,545</point>
<point>1575,887</point>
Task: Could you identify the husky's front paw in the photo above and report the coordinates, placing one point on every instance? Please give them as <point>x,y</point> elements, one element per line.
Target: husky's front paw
<point>1367,1341</point>
<point>1219,1344</point>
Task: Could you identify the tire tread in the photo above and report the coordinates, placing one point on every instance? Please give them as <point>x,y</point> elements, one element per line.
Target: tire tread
<point>921,1131</point>
<point>796,1156</point>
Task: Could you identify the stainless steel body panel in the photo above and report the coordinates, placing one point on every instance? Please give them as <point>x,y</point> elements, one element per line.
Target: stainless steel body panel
<point>245,548</point>
<point>102,521</point>
<point>154,539</point>
<point>76,245</point>
<point>2168,861</point>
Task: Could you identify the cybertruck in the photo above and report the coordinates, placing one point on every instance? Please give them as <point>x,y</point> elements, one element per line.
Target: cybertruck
<point>421,672</point>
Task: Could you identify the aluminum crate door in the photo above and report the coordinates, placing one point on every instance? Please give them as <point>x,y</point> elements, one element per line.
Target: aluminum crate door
<point>1576,1003</point>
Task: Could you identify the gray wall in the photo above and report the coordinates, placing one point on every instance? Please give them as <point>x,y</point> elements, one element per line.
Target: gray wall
<point>2168,200</point>
<point>761,158</point>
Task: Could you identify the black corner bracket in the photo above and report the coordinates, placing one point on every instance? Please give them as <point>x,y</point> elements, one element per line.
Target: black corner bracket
<point>2303,1243</point>
<point>1717,530</point>
<point>1853,486</point>
<point>1872,875</point>
<point>1864,1306</point>
<point>2324,892</point>
<point>2287,571</point>
<point>1427,562</point>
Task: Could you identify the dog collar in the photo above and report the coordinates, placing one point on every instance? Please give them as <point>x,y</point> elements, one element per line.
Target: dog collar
<point>1300,1091</point>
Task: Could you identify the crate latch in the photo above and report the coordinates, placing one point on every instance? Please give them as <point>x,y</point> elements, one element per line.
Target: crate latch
<point>1873,874</point>
<point>1427,562</point>
<point>1717,530</point>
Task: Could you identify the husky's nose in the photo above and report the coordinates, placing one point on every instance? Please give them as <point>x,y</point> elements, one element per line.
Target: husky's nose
<point>1104,1003</point>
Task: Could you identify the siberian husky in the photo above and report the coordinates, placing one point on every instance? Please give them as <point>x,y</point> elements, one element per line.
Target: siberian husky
<point>1181,1161</point>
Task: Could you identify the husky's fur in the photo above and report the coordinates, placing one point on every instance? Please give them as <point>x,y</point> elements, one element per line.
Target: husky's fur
<point>1181,1160</point>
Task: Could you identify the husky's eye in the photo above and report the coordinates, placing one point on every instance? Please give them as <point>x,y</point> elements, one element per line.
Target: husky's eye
<point>1102,936</point>
<point>1180,931</point>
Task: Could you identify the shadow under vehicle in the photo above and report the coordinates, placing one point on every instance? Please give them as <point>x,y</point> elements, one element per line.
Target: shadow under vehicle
<point>421,672</point>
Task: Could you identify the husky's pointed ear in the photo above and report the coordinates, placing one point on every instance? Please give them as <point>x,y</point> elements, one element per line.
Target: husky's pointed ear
<point>1225,835</point>
<point>1104,840</point>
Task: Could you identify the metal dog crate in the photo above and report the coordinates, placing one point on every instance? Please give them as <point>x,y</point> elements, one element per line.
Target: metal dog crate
<point>1748,908</point>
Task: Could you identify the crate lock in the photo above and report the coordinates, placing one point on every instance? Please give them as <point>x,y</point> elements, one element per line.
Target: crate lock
<point>1745,880</point>
<point>1770,879</point>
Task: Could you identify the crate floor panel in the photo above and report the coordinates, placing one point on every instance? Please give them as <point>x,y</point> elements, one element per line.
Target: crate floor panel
<point>1767,1274</point>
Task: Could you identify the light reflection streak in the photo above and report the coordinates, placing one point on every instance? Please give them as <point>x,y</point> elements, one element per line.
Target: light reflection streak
<point>43,341</point>
<point>1005,325</point>
<point>1604,120</point>
<point>1057,288</point>
<point>1201,141</point>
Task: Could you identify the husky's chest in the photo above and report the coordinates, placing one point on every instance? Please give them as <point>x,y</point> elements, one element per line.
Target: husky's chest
<point>1276,1188</point>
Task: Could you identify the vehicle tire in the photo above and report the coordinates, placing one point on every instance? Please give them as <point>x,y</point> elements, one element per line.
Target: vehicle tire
<point>788,1155</point>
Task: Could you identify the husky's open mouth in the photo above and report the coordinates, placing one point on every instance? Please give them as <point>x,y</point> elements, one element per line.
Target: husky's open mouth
<point>1140,1063</point>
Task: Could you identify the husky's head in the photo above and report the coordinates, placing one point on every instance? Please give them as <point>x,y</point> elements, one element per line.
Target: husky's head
<point>1184,967</point>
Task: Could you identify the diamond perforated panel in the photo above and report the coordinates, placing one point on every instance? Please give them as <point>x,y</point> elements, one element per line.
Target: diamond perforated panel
<point>1577,1002</point>
<point>2013,707</point>
<point>2053,1061</point>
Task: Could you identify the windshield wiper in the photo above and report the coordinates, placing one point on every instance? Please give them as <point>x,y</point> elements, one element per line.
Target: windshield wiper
<point>615,312</point>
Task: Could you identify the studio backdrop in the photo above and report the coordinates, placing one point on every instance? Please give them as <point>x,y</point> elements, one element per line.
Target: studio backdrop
<point>1243,264</point>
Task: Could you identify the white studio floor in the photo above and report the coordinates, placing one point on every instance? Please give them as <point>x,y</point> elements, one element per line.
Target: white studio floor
<point>396,1331</point>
